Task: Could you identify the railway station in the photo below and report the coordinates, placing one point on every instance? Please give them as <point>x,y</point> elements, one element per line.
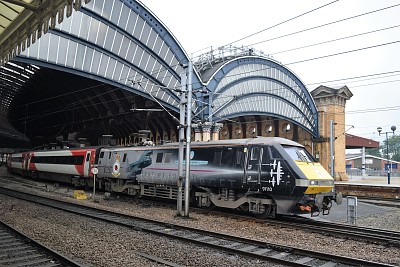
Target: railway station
<point>100,79</point>
<point>87,77</point>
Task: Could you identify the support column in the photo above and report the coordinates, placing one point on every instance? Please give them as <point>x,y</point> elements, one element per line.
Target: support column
<point>207,131</point>
<point>331,104</point>
<point>197,127</point>
<point>215,130</point>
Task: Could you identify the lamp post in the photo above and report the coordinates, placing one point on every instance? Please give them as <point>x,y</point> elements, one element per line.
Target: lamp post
<point>379,129</point>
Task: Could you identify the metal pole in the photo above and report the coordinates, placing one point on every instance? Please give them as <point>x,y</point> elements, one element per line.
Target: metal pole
<point>363,164</point>
<point>188,137</point>
<point>181,142</point>
<point>94,186</point>
<point>332,150</point>
<point>387,157</point>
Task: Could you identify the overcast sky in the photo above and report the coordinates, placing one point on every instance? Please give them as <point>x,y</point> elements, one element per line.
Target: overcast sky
<point>199,25</point>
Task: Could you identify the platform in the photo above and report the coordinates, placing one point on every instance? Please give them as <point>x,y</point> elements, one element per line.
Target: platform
<point>372,180</point>
<point>373,187</point>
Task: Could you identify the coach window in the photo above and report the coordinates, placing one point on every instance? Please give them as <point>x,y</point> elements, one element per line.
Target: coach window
<point>87,157</point>
<point>78,160</point>
<point>167,158</point>
<point>227,157</point>
<point>101,154</point>
<point>159,157</point>
<point>217,157</point>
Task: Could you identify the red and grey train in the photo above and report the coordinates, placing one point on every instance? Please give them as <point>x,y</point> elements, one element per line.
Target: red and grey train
<point>264,175</point>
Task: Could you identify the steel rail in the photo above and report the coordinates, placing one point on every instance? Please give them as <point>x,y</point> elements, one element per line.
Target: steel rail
<point>386,237</point>
<point>18,249</point>
<point>268,252</point>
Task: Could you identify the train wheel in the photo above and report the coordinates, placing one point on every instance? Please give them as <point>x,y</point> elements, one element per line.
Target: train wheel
<point>204,203</point>
<point>268,211</point>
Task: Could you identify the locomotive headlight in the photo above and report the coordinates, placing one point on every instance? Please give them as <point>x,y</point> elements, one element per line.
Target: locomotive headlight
<point>321,182</point>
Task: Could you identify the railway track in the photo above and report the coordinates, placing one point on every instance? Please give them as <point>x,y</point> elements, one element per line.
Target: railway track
<point>17,249</point>
<point>385,237</point>
<point>264,251</point>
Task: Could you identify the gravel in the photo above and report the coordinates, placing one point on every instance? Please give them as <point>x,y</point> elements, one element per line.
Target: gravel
<point>100,244</point>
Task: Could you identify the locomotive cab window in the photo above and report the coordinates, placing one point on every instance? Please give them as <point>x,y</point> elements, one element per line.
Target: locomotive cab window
<point>101,155</point>
<point>239,158</point>
<point>299,154</point>
<point>124,159</point>
<point>255,152</point>
<point>266,156</point>
<point>275,154</point>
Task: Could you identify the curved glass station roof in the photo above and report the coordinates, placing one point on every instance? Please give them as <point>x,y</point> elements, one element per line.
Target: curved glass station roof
<point>122,45</point>
<point>256,85</point>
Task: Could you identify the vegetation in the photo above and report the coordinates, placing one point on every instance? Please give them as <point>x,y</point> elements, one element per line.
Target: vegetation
<point>394,148</point>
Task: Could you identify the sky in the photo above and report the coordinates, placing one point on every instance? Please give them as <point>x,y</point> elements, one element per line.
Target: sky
<point>359,50</point>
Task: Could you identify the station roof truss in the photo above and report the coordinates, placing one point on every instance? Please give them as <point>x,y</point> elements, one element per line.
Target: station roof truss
<point>119,43</point>
<point>116,42</point>
<point>133,56</point>
<point>22,22</point>
<point>251,84</point>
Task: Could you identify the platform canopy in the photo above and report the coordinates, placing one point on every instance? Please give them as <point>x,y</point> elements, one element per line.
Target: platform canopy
<point>353,141</point>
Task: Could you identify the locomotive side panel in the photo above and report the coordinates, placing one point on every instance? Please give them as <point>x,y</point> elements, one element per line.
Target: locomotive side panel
<point>123,163</point>
<point>209,167</point>
<point>268,172</point>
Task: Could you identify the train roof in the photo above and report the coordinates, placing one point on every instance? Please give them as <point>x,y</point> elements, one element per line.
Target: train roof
<point>248,141</point>
<point>229,142</point>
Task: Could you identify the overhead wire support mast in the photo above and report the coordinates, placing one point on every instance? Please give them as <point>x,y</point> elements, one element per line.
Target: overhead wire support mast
<point>188,137</point>
<point>181,128</point>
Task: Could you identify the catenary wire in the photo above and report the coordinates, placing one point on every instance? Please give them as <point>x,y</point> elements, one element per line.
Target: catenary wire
<point>280,23</point>
<point>326,24</point>
<point>335,40</point>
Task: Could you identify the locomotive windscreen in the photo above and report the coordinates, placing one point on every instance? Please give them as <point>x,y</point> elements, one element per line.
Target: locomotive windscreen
<point>299,154</point>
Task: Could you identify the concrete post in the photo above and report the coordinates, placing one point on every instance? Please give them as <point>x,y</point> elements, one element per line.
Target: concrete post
<point>197,127</point>
<point>207,131</point>
<point>215,130</point>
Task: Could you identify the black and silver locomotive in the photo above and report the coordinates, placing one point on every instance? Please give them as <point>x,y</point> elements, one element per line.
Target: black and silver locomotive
<point>265,176</point>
